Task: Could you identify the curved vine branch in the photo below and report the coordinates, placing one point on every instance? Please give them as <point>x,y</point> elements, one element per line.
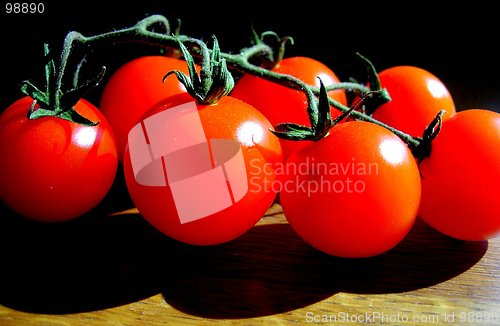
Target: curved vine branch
<point>143,32</point>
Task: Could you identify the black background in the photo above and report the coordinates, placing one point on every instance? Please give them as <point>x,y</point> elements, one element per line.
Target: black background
<point>96,263</point>
<point>457,43</point>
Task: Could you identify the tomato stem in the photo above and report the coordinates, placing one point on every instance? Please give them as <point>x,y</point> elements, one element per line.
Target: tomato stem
<point>53,102</point>
<point>423,149</point>
<point>144,32</point>
<point>242,64</point>
<point>214,80</point>
<point>359,88</point>
<point>280,47</point>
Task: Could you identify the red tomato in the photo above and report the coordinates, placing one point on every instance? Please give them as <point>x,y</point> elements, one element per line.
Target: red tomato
<point>417,97</point>
<point>354,193</point>
<point>460,178</point>
<point>210,168</point>
<point>281,104</point>
<point>134,88</point>
<point>53,169</point>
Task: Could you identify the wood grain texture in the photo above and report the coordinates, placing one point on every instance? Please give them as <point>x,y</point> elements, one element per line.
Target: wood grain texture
<point>111,268</point>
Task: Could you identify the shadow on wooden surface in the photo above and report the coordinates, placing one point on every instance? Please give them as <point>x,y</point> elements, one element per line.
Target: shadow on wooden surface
<point>110,261</point>
<point>101,261</point>
<point>269,271</point>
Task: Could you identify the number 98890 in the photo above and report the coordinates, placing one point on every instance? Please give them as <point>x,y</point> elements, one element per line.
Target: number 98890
<point>24,8</point>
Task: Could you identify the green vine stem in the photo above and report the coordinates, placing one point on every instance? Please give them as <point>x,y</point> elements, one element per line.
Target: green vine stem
<point>242,63</point>
<point>143,32</point>
<point>53,102</point>
<point>279,50</point>
<point>359,88</point>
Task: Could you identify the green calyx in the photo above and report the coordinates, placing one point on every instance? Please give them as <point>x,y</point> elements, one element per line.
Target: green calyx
<point>319,117</point>
<point>279,47</point>
<point>423,149</point>
<point>53,102</point>
<point>214,80</point>
<point>371,103</point>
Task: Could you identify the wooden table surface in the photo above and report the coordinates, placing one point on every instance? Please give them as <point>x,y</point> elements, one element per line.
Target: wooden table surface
<point>110,268</point>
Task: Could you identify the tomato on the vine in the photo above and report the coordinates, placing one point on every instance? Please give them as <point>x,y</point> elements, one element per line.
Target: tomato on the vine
<point>354,193</point>
<point>53,169</point>
<point>134,88</point>
<point>461,177</point>
<point>417,96</point>
<point>199,173</point>
<point>281,104</point>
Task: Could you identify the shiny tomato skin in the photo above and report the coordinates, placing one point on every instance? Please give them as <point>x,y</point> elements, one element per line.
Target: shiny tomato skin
<point>358,196</point>
<point>461,177</point>
<point>52,169</point>
<point>416,98</point>
<point>134,88</point>
<point>229,119</point>
<point>281,104</point>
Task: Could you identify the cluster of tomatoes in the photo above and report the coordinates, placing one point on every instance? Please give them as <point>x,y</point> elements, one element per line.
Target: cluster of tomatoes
<point>354,193</point>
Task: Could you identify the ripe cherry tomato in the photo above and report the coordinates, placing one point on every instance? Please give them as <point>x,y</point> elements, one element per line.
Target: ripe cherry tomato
<point>460,178</point>
<point>354,193</point>
<point>53,169</point>
<point>281,104</point>
<point>210,167</point>
<point>134,88</point>
<point>417,97</point>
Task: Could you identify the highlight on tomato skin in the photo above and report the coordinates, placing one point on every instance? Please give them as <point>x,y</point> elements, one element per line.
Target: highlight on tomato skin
<point>180,204</point>
<point>354,193</point>
<point>281,104</point>
<point>417,96</point>
<point>52,169</point>
<point>460,178</point>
